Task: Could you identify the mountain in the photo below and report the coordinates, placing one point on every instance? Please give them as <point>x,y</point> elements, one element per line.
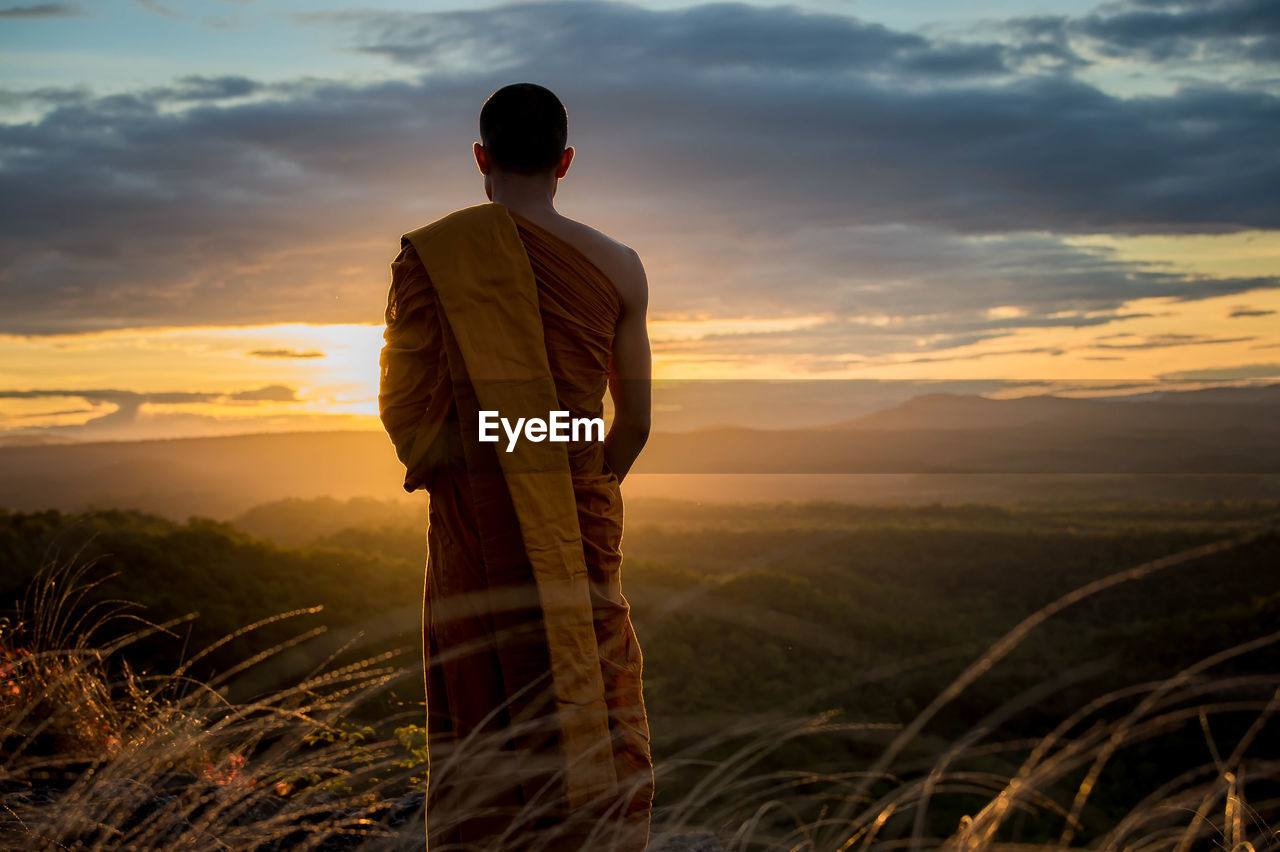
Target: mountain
<point>1204,434</point>
<point>1211,408</point>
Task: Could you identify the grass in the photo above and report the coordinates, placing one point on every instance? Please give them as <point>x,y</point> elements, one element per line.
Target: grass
<point>98,754</point>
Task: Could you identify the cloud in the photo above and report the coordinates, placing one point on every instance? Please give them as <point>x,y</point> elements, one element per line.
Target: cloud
<point>1186,34</point>
<point>45,97</point>
<point>1165,30</point>
<point>1240,371</point>
<point>286,353</point>
<point>1164,341</point>
<point>43,10</point>
<point>978,356</point>
<point>157,7</point>
<point>615,36</point>
<point>764,161</point>
<point>201,88</point>
<point>270,393</point>
<point>128,404</point>
<point>1238,313</point>
<point>187,90</point>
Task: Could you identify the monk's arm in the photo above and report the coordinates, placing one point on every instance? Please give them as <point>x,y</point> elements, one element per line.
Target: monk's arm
<point>410,364</point>
<point>630,377</point>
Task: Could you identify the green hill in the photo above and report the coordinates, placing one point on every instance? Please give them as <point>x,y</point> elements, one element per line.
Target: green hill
<point>758,612</point>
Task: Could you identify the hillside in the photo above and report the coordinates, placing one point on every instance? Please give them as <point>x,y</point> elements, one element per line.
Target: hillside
<point>757,616</point>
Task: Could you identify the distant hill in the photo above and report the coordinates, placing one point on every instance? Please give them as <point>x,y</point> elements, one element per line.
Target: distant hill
<point>32,438</point>
<point>217,477</point>
<point>1211,433</point>
<point>1212,408</point>
<point>1207,432</point>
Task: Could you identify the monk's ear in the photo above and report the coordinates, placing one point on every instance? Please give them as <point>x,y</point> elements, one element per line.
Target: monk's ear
<point>565,160</point>
<point>482,157</point>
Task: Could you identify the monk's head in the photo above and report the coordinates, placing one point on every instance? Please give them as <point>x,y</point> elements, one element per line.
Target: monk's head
<point>523,134</point>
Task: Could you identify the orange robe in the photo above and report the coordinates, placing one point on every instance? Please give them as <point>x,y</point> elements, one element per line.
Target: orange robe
<point>537,730</point>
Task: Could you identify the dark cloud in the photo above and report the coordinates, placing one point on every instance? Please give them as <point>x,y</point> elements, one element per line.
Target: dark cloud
<point>1249,312</point>
<point>1167,30</point>
<point>45,97</point>
<point>764,161</point>
<point>1188,33</point>
<point>190,89</point>
<point>615,37</point>
<point>43,10</point>
<point>198,88</point>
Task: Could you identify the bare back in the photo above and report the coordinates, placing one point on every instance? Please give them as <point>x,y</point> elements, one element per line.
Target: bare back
<point>631,363</point>
<point>616,260</point>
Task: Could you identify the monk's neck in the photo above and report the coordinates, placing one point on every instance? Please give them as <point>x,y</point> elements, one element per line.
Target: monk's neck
<point>529,208</point>
<point>530,197</point>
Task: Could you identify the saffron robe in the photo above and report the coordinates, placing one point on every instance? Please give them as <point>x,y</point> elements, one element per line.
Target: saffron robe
<point>537,731</point>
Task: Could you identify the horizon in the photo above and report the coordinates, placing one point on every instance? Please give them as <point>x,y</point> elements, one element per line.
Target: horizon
<point>684,407</point>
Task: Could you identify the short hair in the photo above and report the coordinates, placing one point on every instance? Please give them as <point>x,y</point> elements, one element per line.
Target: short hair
<point>524,128</point>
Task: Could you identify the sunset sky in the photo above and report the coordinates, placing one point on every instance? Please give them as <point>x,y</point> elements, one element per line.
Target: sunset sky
<point>201,200</point>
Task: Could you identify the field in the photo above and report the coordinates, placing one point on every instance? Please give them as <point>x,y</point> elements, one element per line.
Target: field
<point>814,673</point>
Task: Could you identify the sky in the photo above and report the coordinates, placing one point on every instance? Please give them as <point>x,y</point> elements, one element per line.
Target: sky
<point>201,200</point>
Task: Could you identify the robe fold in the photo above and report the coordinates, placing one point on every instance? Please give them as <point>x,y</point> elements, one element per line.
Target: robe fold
<point>537,731</point>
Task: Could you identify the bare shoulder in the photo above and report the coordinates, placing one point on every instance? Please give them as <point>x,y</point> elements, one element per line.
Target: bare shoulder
<point>617,260</point>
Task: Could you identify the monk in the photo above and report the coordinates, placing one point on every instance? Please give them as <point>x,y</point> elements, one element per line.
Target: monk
<point>536,726</point>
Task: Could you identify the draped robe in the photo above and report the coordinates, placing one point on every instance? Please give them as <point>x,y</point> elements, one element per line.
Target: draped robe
<point>537,732</point>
